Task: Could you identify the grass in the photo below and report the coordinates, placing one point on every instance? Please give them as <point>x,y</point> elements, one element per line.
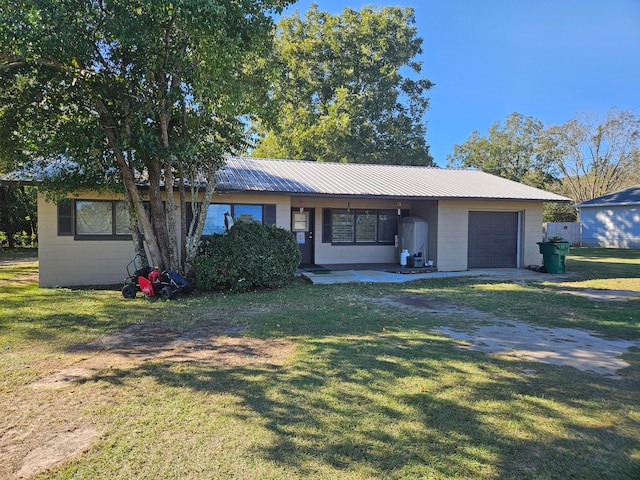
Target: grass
<point>372,392</point>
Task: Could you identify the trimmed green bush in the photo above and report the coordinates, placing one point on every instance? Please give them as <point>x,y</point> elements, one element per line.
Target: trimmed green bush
<point>249,257</point>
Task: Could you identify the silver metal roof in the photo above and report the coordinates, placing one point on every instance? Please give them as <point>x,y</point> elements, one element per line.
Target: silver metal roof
<point>351,179</point>
<point>296,177</point>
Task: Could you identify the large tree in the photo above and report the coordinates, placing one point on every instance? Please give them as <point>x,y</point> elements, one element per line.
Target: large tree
<point>350,90</point>
<point>585,158</point>
<point>596,155</point>
<point>116,90</point>
<point>516,150</point>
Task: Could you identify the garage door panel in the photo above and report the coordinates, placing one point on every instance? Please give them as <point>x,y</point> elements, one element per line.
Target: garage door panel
<point>493,240</point>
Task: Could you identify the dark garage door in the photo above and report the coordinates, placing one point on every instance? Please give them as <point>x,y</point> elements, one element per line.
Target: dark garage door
<point>493,240</point>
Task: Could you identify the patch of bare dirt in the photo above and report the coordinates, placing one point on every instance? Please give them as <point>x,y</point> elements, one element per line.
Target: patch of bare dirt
<point>580,349</point>
<point>211,343</point>
<point>16,261</point>
<point>25,279</point>
<point>50,422</point>
<point>602,295</point>
<point>427,305</point>
<point>57,450</point>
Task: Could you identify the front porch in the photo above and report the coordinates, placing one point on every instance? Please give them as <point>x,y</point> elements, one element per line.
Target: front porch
<point>389,273</point>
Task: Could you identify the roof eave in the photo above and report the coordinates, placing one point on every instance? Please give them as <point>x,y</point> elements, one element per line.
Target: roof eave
<point>371,196</point>
<point>619,204</point>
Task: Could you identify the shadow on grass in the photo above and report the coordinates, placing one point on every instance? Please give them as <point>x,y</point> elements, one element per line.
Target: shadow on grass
<point>411,405</point>
<point>604,263</point>
<point>32,313</point>
<point>542,304</point>
<point>405,403</point>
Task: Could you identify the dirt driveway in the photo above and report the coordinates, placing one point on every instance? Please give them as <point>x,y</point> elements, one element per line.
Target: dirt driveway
<point>572,347</point>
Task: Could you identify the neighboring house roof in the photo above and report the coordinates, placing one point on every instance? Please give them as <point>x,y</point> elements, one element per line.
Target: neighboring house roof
<point>628,196</point>
<point>295,177</point>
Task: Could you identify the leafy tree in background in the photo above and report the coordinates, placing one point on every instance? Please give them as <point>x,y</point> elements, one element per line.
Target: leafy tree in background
<point>18,205</point>
<point>596,156</point>
<point>18,215</point>
<point>516,150</point>
<point>583,159</point>
<point>114,88</point>
<point>343,95</point>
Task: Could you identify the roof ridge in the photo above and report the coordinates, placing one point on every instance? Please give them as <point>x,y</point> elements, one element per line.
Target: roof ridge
<point>345,164</point>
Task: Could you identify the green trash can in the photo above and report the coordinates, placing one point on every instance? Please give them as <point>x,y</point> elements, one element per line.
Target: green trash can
<point>554,256</point>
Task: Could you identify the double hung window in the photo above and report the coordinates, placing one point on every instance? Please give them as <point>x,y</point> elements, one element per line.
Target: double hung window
<point>215,222</point>
<point>355,226</point>
<point>94,219</point>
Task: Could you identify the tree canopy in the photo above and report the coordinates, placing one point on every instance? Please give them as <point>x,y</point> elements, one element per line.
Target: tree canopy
<point>597,155</point>
<point>515,150</point>
<point>349,90</point>
<point>116,88</point>
<point>587,157</point>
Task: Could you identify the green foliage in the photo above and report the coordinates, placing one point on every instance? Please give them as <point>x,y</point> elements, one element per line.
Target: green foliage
<point>559,212</point>
<point>250,256</point>
<point>584,158</point>
<point>18,215</point>
<point>18,239</point>
<point>342,96</point>
<point>515,150</point>
<point>110,90</point>
<point>597,155</point>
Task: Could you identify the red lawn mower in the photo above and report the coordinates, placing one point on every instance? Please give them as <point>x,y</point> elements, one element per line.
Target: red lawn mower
<point>151,281</point>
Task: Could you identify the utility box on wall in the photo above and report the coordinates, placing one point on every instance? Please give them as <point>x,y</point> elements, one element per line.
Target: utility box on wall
<point>414,236</point>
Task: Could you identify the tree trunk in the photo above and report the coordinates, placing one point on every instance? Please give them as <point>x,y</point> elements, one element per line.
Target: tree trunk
<point>147,228</point>
<point>158,214</point>
<point>183,217</point>
<point>138,238</point>
<point>7,221</point>
<point>171,209</point>
<point>128,179</point>
<point>199,212</point>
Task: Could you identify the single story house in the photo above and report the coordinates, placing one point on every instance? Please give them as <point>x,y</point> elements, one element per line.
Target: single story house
<point>340,213</point>
<point>612,220</point>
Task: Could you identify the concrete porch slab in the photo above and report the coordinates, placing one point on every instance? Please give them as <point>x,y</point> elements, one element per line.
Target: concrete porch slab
<point>382,276</point>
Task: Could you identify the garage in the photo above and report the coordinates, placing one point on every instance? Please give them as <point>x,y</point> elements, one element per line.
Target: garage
<point>493,240</point>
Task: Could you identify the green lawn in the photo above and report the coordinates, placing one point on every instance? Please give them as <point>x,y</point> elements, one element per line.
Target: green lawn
<point>371,392</point>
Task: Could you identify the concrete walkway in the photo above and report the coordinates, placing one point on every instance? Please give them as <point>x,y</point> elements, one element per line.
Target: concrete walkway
<point>381,276</point>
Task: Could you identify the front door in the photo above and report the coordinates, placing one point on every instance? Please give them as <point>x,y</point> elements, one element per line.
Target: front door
<point>302,225</point>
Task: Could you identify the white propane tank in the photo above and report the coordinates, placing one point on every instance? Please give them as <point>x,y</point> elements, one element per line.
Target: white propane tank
<point>403,257</point>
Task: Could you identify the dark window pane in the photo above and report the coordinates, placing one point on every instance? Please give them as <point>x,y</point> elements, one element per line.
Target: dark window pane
<point>342,228</point>
<point>387,226</point>
<point>366,227</point>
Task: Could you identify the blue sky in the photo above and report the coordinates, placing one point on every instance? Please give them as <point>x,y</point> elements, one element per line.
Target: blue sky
<point>549,59</point>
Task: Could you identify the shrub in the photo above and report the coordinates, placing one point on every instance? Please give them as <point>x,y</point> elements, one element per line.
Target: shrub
<point>20,239</point>
<point>250,256</point>
<point>556,239</point>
